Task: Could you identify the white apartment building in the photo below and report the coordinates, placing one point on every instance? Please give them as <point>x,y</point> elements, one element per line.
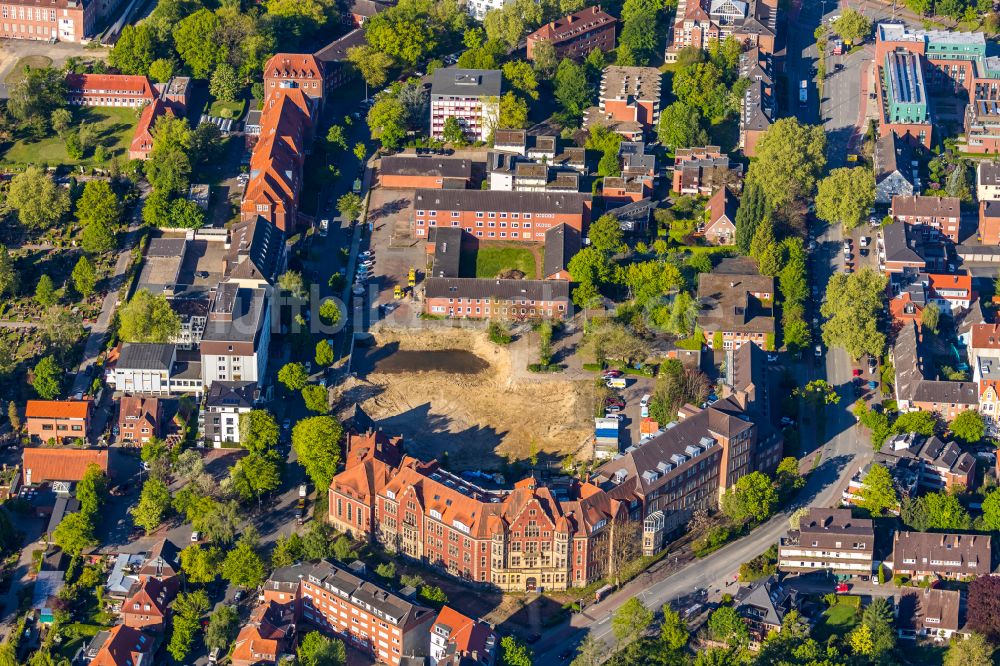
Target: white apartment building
<point>472,96</point>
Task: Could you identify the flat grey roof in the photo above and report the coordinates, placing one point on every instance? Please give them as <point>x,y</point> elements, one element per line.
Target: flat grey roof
<point>458,82</point>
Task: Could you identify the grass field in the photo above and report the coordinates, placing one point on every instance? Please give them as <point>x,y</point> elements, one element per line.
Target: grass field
<point>837,620</point>
<point>115,129</point>
<point>233,110</point>
<point>491,261</point>
<point>33,61</point>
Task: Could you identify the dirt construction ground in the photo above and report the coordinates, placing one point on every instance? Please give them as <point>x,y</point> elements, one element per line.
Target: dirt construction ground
<point>451,390</point>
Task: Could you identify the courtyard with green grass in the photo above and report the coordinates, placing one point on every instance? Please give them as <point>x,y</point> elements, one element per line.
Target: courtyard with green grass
<point>19,68</point>
<point>493,260</point>
<point>838,620</point>
<point>115,127</point>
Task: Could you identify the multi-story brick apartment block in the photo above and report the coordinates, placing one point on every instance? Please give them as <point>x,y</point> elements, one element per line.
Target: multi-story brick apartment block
<point>428,172</point>
<point>720,226</point>
<point>895,171</point>
<point>109,90</point>
<point>339,598</point>
<point>576,35</point>
<point>255,254</point>
<point>704,171</point>
<point>698,23</point>
<point>905,106</point>
<point>224,403</point>
<point>337,69</point>
<point>471,96</point>
<point>62,20</point>
<point>928,613</point>
<point>59,465</point>
<point>276,162</point>
<point>941,213</point>
<point>687,467</point>
<point>757,108</point>
<point>736,305</point>
<point>942,466</point>
<point>831,540</point>
<point>989,222</point>
<point>628,95</point>
<point>935,555</point>
<point>457,640</point>
<point>520,216</point>
<point>915,392</point>
<point>295,70</point>
<point>487,298</point>
<point>905,251</point>
<point>138,419</point>
<point>988,181</point>
<point>237,335</point>
<point>58,419</point>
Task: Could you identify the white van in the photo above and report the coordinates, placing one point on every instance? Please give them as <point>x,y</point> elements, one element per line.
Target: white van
<point>644,405</point>
<point>617,383</point>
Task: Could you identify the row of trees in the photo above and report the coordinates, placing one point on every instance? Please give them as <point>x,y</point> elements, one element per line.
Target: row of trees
<point>177,149</point>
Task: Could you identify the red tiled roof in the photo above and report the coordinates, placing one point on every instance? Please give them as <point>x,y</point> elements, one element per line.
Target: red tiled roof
<point>118,83</point>
<point>44,464</point>
<point>293,65</point>
<point>142,138</point>
<point>152,596</point>
<point>57,409</point>
<point>467,634</point>
<point>123,647</point>
<point>986,336</point>
<point>956,282</point>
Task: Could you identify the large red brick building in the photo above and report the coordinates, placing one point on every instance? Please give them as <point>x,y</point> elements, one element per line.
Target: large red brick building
<point>109,90</point>
<point>527,539</point>
<point>576,35</point>
<point>499,215</point>
<point>295,70</point>
<point>44,20</point>
<point>941,213</point>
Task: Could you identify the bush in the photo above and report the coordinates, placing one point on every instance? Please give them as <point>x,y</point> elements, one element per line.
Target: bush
<point>538,367</point>
<point>716,538</point>
<point>498,334</point>
<point>717,340</point>
<point>899,581</point>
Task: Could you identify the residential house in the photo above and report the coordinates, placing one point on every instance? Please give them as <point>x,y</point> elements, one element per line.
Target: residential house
<point>561,245</point>
<point>471,96</point>
<point>942,466</point>
<point>703,171</point>
<point>736,305</point>
<point>370,617</point>
<point>952,293</point>
<point>147,606</point>
<point>138,419</point>
<point>225,402</point>
<point>908,305</point>
<point>255,254</point>
<point>930,555</point>
<point>904,251</point>
<point>142,140</point>
<point>829,540</point>
<point>457,640</point>
<point>267,636</point>
<point>630,95</point>
<point>941,213</point>
<point>988,181</point>
<point>720,222</point>
<point>989,222</point>
<point>520,216</point>
<point>576,35</point>
<point>915,391</point>
<point>621,190</point>
<point>234,346</point>
<point>511,141</point>
<point>60,465</point>
<point>984,357</point>
<point>362,10</point>
<point>60,420</point>
<point>757,108</point>
<point>430,172</point>
<point>479,8</point>
<point>486,298</point>
<point>923,612</point>
<point>121,646</point>
<point>147,368</point>
<point>895,169</point>
<point>763,606</point>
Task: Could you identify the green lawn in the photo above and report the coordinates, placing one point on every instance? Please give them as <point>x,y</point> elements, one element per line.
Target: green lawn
<point>837,620</point>
<point>115,129</point>
<point>32,61</point>
<point>491,261</point>
<point>233,110</point>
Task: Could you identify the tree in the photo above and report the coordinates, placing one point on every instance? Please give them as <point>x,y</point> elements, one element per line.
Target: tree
<point>521,77</point>
<point>134,51</point>
<point>99,211</point>
<point>315,649</point>
<point>39,202</point>
<point>258,431</point>
<point>852,25</point>
<point>702,86</point>
<point>8,274</point>
<point>188,609</point>
<point>38,93</point>
<point>968,427</point>
<point>293,376</point>
<point>61,120</point>
<point>316,399</point>
<point>852,307</point>
<point>154,503</point>
<point>222,628</point>
<point>790,157</point>
<point>316,441</point>
<point>75,533</point>
<point>291,281</point>
<point>200,565</point>
<point>13,417</point>
<point>974,650</point>
<point>878,493</point>
<point>991,511</point>
<point>638,38</point>
<point>726,625</point>
<point>630,620</point>
<point>878,617</point>
<point>387,121</point>
<point>160,70</point>
<point>983,608</point>
<point>681,127</point>
<point>513,112</point>
<point>243,566</point>
<point>287,551</point>
<point>752,497</point>
<point>675,387</point>
<point>606,234</point>
<point>930,317</point>
<point>256,475</point>
<point>572,90</point>
<point>922,423</point>
<point>45,292</point>
<point>752,210</point>
<point>350,206</point>
<point>148,318</point>
<point>590,652</point>
<point>846,196</point>
<point>324,354</point>
<point>371,63</point>
<point>545,59</point>
<point>91,490</point>
<point>47,377</point>
<point>589,265</point>
<point>819,392</point>
<point>360,151</point>
<point>84,279</point>
<point>185,214</point>
<point>194,39</point>
<point>861,641</point>
<point>515,653</point>
<point>453,132</point>
<point>944,512</point>
<point>673,631</point>
<point>766,250</point>
<point>224,84</point>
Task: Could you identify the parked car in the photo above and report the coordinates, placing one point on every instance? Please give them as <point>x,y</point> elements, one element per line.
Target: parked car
<point>195,536</point>
<point>611,374</point>
<point>614,401</point>
<point>863,252</point>
<point>818,350</point>
<point>872,364</point>
<point>787,421</point>
<point>857,372</point>
<point>865,241</point>
<point>772,358</point>
<point>842,588</point>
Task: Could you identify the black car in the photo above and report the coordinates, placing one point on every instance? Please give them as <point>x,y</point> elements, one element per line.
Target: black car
<point>863,252</point>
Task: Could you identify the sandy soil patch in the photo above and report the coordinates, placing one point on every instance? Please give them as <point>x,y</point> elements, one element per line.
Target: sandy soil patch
<point>451,390</point>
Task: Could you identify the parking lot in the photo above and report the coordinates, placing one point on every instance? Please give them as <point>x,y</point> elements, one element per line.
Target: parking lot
<point>396,251</point>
